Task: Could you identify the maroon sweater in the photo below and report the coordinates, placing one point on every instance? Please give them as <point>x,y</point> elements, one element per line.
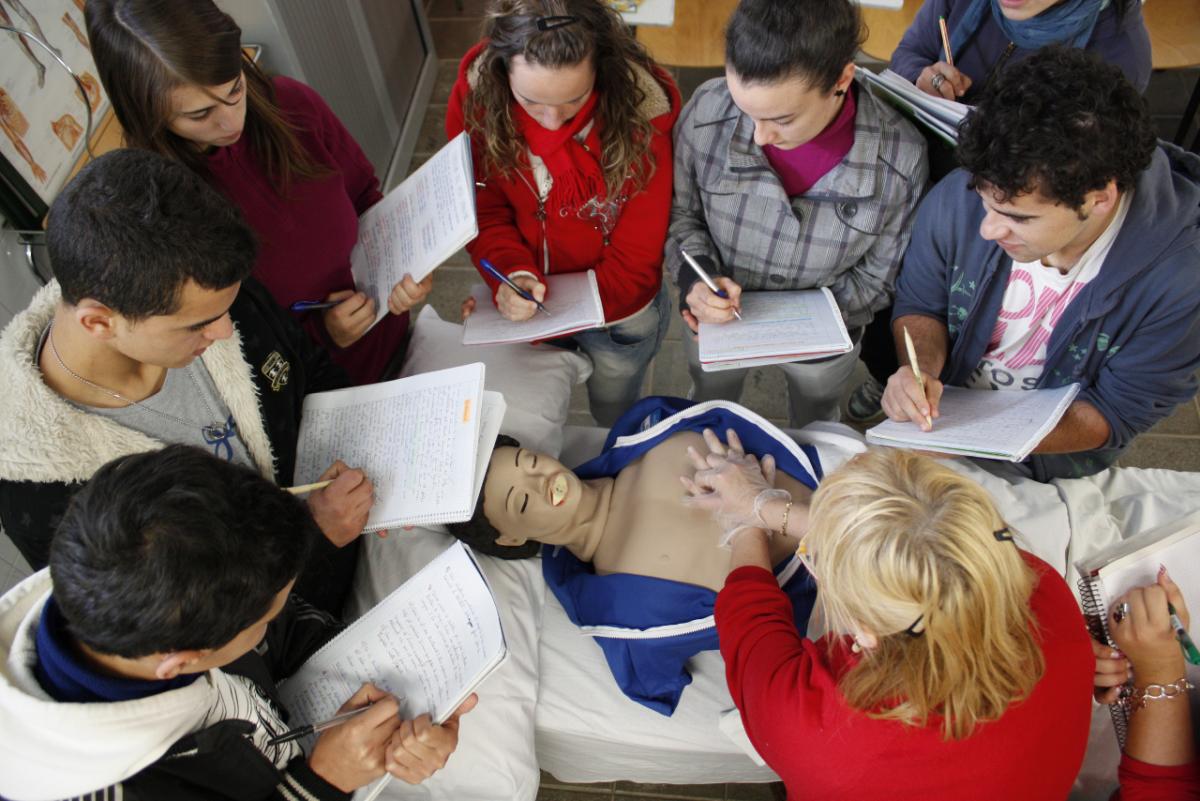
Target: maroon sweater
<point>786,687</point>
<point>305,238</point>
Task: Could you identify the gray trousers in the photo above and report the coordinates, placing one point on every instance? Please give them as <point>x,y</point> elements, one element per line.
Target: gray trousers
<point>815,389</point>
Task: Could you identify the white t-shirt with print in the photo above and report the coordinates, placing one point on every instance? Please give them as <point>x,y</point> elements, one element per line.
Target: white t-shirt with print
<point>1034,301</point>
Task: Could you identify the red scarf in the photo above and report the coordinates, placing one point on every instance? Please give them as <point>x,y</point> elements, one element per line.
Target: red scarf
<point>574,166</point>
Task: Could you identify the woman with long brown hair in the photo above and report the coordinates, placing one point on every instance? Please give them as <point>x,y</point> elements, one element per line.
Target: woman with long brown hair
<point>570,122</point>
<point>181,85</point>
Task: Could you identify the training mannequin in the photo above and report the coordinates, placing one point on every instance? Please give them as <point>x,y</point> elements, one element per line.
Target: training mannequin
<point>636,566</point>
<point>634,523</point>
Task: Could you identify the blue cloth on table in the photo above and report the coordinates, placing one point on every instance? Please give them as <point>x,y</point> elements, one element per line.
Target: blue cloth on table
<point>649,627</point>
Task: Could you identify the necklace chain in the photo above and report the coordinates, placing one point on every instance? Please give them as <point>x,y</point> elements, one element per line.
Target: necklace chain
<point>216,430</point>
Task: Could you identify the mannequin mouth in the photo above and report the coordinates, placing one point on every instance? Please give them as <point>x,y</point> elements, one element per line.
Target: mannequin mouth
<point>558,490</point>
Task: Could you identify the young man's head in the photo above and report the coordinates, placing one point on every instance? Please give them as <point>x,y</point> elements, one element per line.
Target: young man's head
<point>149,256</point>
<point>789,65</point>
<point>1054,142</point>
<point>174,561</point>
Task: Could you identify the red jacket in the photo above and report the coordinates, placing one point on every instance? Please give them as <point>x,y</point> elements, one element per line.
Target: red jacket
<point>628,266</point>
<point>786,689</point>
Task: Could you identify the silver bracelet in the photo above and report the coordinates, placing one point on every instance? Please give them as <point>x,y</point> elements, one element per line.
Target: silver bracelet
<point>1140,696</point>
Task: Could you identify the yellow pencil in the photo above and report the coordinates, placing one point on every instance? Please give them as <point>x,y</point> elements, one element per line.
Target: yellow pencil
<point>916,368</point>
<point>303,488</point>
<point>946,41</point>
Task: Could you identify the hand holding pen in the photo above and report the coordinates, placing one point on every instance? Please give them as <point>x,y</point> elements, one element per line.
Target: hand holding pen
<point>710,300</point>
<point>512,309</point>
<point>347,315</point>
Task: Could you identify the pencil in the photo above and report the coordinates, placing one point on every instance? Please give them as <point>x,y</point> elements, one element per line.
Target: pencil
<point>946,41</point>
<point>916,368</point>
<point>303,488</point>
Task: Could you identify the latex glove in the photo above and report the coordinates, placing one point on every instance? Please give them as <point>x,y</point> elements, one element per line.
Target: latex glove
<point>730,483</point>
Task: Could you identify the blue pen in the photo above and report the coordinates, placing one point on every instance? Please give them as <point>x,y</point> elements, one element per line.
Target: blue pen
<point>504,279</point>
<point>309,305</point>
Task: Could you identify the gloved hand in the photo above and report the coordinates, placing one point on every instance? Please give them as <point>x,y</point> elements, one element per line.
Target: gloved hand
<point>731,484</point>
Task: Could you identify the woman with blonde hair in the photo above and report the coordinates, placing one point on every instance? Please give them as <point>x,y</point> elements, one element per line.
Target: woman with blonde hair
<point>570,123</point>
<point>955,664</point>
<point>182,86</point>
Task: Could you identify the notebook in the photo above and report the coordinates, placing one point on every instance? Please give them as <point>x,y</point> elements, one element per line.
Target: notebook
<point>418,225</point>
<point>423,441</point>
<point>1113,571</point>
<point>429,643</point>
<point>776,327</point>
<point>573,300</point>
<point>939,115</point>
<point>984,423</point>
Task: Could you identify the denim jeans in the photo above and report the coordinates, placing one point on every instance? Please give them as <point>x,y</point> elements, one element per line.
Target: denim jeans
<point>815,389</point>
<point>620,354</point>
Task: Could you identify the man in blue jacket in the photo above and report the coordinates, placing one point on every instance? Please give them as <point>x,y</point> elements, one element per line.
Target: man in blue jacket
<point>1066,250</point>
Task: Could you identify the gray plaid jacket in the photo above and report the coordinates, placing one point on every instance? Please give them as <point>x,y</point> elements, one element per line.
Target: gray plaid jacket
<point>848,232</point>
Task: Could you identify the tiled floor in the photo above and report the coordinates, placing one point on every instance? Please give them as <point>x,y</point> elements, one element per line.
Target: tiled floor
<point>1174,443</point>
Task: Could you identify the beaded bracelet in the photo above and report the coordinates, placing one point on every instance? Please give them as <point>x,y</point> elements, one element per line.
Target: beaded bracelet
<point>1140,696</point>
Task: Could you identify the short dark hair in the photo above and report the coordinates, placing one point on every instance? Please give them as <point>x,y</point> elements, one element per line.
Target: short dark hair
<point>133,227</point>
<point>1062,123</point>
<point>772,40</point>
<point>482,535</point>
<point>174,550</point>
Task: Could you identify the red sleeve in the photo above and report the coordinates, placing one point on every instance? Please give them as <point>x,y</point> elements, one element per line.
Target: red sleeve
<point>341,150</point>
<point>779,680</point>
<point>498,236</point>
<point>632,263</point>
<point>1141,781</point>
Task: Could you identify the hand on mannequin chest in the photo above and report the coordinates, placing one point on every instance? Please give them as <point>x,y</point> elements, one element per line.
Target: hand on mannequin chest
<point>634,523</point>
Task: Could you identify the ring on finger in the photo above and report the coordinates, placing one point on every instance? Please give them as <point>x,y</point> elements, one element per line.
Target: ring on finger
<point>1121,612</point>
<point>937,80</point>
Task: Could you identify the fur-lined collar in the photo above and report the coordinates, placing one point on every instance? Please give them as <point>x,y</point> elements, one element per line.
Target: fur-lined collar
<point>44,438</point>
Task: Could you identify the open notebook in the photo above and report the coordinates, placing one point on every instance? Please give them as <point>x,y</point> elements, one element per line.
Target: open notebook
<point>776,327</point>
<point>430,643</point>
<point>985,423</point>
<point>939,115</point>
<point>573,300</point>
<point>1113,571</point>
<point>418,225</point>
<point>423,441</point>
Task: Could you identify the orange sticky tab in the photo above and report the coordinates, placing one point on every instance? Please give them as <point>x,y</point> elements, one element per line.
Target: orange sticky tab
<point>467,411</point>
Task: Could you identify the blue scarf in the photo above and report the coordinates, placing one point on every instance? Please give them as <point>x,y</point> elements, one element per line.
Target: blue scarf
<point>1069,22</point>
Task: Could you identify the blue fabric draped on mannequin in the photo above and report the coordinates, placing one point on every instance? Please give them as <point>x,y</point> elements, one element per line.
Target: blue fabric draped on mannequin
<point>648,627</point>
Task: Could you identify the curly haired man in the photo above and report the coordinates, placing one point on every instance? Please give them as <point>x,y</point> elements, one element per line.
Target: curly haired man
<point>1065,250</point>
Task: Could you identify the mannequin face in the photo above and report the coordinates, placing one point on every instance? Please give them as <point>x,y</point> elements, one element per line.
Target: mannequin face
<point>531,496</point>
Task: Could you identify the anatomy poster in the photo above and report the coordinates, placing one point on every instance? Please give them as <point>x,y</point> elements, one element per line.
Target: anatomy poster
<point>42,114</point>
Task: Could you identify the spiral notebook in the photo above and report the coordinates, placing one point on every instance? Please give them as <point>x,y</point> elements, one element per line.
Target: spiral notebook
<point>423,441</point>
<point>776,327</point>
<point>573,300</point>
<point>1113,571</point>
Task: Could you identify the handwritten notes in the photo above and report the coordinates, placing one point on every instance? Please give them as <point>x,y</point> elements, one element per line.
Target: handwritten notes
<point>776,327</point>
<point>420,224</point>
<point>990,424</point>
<point>418,440</point>
<point>430,643</point>
<point>572,298</point>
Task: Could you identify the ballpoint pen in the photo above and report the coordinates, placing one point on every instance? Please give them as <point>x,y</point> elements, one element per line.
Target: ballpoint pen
<point>309,305</point>
<point>316,728</point>
<point>504,279</point>
<point>708,282</point>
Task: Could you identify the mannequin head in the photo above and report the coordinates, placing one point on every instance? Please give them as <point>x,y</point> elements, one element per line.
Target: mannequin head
<point>478,532</point>
<point>915,562</point>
